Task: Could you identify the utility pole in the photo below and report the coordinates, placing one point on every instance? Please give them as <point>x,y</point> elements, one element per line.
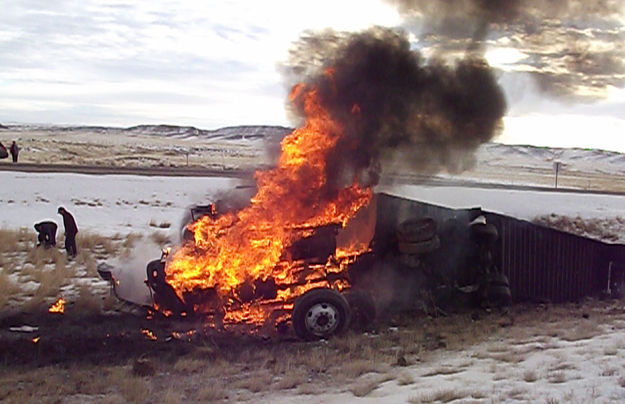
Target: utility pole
<point>556,168</point>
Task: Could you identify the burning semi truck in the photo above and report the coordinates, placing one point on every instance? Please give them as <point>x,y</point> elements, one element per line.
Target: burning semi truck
<point>289,254</point>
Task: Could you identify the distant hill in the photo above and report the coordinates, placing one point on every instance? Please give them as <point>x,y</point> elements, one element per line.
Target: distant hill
<point>228,133</point>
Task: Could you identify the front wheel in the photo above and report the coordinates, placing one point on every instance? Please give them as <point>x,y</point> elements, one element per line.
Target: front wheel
<point>319,314</point>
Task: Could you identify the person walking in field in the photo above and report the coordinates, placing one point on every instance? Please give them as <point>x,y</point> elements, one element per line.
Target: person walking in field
<point>70,232</point>
<point>14,151</point>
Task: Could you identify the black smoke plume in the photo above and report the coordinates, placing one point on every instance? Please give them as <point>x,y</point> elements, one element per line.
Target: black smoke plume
<point>394,104</point>
<point>574,48</point>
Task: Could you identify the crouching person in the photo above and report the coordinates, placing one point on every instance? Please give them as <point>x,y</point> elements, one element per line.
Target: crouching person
<point>46,233</point>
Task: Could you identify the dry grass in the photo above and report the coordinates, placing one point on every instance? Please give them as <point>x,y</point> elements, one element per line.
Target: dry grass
<point>602,228</point>
<point>443,396</point>
<point>405,379</point>
<point>161,225</point>
<point>442,370</point>
<point>557,377</point>
<point>292,380</point>
<point>8,287</point>
<point>211,393</point>
<point>362,389</point>
<point>256,382</point>
<point>187,365</point>
<point>134,389</point>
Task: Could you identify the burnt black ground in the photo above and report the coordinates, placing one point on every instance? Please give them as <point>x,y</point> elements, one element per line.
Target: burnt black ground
<point>113,339</point>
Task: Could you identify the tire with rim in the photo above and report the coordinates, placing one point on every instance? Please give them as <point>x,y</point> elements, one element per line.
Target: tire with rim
<point>319,314</point>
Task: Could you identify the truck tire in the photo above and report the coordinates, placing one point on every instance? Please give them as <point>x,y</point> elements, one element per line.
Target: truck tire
<point>319,314</point>
<point>420,247</point>
<point>415,230</point>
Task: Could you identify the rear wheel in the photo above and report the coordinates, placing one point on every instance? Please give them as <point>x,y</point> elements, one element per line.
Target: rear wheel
<point>320,314</point>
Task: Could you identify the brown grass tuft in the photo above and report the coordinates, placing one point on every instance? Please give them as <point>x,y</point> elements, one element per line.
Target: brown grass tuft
<point>443,395</point>
<point>256,382</point>
<point>132,388</point>
<point>292,380</point>
<point>530,376</point>
<point>190,365</point>
<point>211,393</point>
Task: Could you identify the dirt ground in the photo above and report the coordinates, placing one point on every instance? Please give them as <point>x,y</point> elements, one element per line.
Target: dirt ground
<point>125,356</point>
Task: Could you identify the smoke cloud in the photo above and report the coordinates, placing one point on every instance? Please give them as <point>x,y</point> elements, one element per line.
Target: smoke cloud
<point>392,103</point>
<point>574,48</point>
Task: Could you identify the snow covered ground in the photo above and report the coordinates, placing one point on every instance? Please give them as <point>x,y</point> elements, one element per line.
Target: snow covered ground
<point>123,204</point>
<point>106,204</point>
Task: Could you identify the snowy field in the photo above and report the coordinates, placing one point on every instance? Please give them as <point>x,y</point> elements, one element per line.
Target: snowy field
<point>122,204</point>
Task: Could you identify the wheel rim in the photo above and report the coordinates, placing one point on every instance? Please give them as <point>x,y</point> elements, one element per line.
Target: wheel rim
<point>322,319</point>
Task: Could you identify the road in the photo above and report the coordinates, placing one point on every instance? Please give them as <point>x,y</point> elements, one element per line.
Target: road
<point>247,174</point>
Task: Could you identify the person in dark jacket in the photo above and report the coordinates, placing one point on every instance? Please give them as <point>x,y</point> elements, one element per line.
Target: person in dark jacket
<point>70,231</point>
<point>46,233</point>
<point>14,151</point>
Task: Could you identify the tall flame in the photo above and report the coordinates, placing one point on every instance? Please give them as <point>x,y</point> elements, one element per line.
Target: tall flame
<point>292,199</point>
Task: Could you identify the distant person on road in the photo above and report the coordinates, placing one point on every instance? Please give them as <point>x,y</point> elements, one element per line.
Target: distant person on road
<point>46,233</point>
<point>14,151</point>
<point>3,151</point>
<point>70,232</point>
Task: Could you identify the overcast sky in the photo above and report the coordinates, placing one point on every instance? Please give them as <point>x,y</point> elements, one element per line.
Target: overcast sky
<point>211,64</point>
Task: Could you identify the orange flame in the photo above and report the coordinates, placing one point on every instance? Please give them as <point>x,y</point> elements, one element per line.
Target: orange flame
<point>148,334</point>
<point>292,200</point>
<point>58,306</point>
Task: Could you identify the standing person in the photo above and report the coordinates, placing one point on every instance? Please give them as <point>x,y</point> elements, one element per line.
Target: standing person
<point>14,151</point>
<point>3,151</point>
<point>70,231</point>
